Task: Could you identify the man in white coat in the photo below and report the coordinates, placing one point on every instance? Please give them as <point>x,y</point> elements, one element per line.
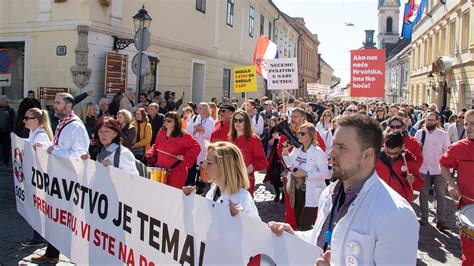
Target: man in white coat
<point>361,220</point>
<point>70,140</point>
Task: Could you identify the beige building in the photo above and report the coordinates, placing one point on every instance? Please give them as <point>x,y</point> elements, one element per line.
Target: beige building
<point>441,63</point>
<point>327,73</point>
<point>194,44</point>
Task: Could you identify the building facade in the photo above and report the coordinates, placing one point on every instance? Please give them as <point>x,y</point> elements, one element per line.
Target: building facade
<point>388,30</point>
<point>397,69</point>
<point>194,44</point>
<point>441,63</point>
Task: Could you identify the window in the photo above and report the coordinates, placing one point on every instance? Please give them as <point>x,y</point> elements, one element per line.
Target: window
<point>465,32</point>
<point>251,21</point>
<point>442,46</point>
<point>276,35</point>
<point>286,42</point>
<point>389,24</point>
<point>436,44</point>
<point>226,83</point>
<point>270,32</point>
<point>430,50</point>
<point>230,13</point>
<point>201,5</point>
<point>262,25</point>
<point>452,37</point>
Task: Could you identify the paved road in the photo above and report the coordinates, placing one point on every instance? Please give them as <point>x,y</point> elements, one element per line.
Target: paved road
<point>435,248</point>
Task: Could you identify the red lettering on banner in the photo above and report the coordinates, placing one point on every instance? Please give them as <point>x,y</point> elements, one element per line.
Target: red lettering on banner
<point>85,231</point>
<point>104,241</point>
<point>125,255</point>
<point>62,219</point>
<point>145,262</point>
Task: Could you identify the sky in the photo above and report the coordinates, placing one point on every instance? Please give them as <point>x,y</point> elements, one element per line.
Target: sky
<point>327,18</point>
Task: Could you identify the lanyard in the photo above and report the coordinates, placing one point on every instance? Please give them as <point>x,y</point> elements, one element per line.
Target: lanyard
<point>335,208</point>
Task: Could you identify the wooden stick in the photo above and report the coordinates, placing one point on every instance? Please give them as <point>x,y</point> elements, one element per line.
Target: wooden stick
<point>466,197</point>
<point>164,152</point>
<point>408,172</point>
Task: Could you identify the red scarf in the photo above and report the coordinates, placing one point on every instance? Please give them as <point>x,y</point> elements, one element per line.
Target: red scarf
<point>61,124</point>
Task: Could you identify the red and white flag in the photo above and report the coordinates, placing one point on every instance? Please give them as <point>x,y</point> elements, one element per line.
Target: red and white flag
<point>265,49</point>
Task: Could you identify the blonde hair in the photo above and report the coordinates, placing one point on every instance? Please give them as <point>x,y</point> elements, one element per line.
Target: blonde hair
<point>214,111</point>
<point>43,120</point>
<point>231,165</point>
<point>126,114</point>
<point>85,112</point>
<point>311,132</point>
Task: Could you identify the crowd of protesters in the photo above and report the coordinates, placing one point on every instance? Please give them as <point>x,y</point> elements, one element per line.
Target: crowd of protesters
<point>295,143</point>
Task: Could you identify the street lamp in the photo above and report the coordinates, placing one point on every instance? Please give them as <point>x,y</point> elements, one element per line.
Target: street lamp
<point>141,19</point>
<point>142,41</point>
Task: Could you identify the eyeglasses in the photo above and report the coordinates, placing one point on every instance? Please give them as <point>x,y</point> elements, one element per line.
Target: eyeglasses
<point>238,120</point>
<point>168,120</point>
<point>352,111</point>
<point>28,118</point>
<point>461,117</point>
<point>395,126</point>
<point>301,133</point>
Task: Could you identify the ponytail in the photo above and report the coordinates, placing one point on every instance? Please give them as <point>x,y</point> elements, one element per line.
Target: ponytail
<point>44,121</point>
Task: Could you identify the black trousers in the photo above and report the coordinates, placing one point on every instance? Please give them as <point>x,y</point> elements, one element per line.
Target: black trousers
<point>305,216</point>
<point>6,146</point>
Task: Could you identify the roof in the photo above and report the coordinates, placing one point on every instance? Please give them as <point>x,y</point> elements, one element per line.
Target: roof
<point>381,2</point>
<point>325,63</point>
<point>401,44</point>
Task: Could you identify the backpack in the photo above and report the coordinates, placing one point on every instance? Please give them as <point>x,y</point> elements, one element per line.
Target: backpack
<point>4,119</point>
<point>139,165</point>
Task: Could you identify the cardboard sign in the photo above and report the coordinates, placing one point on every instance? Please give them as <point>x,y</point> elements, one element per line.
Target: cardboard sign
<point>368,73</point>
<point>282,74</point>
<point>245,79</point>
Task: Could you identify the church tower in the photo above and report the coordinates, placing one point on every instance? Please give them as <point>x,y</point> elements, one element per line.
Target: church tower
<point>389,24</point>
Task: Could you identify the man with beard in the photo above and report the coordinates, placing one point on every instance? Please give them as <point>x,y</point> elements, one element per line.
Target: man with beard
<point>361,220</point>
<point>460,155</point>
<point>70,140</point>
<point>434,142</point>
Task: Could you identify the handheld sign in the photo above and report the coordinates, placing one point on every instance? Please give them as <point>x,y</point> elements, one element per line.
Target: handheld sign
<point>245,79</point>
<point>282,74</point>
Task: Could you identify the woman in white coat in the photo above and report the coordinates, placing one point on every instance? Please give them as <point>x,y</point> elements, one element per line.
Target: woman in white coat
<point>108,135</point>
<point>225,168</point>
<point>308,168</point>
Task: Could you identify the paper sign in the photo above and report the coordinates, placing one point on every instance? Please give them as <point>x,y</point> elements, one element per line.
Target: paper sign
<point>282,74</point>
<point>245,79</point>
<point>368,73</point>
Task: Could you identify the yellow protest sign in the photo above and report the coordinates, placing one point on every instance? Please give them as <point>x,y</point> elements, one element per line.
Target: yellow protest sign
<point>245,79</point>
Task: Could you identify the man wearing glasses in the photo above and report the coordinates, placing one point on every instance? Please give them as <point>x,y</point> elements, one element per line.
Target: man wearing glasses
<point>396,124</point>
<point>222,127</point>
<point>351,110</point>
<point>456,130</point>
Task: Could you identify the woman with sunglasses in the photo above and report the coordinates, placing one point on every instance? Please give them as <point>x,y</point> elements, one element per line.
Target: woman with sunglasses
<point>308,170</point>
<point>380,114</point>
<point>242,135</point>
<point>225,168</point>
<point>397,124</point>
<point>175,150</point>
<point>324,129</point>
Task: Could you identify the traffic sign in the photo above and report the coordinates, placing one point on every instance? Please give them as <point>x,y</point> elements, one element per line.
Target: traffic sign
<point>5,61</point>
<point>142,39</point>
<point>140,68</point>
<point>5,80</point>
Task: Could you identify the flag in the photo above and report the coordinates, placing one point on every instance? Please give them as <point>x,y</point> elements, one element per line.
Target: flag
<point>265,49</point>
<point>413,12</point>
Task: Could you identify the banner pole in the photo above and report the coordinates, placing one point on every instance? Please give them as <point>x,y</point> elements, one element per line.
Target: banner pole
<point>284,102</point>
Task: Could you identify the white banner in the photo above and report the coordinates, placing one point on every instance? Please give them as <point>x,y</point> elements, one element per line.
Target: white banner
<point>102,215</point>
<point>282,74</point>
<point>317,89</point>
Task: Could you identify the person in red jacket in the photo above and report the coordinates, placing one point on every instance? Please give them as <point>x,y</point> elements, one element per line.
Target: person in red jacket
<point>175,150</point>
<point>242,135</point>
<point>222,128</point>
<point>396,124</point>
<point>398,168</point>
<point>460,155</point>
<point>298,118</point>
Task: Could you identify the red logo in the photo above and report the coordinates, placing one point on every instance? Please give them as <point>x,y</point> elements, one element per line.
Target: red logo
<point>18,165</point>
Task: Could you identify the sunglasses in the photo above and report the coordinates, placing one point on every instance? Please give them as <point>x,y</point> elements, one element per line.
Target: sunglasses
<point>28,118</point>
<point>238,120</point>
<point>395,126</point>
<point>461,116</point>
<point>301,133</point>
<point>352,111</point>
<point>168,120</point>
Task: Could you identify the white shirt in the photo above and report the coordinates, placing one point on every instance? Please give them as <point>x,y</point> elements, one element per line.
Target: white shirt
<point>73,140</point>
<point>257,125</point>
<point>454,133</point>
<point>380,227</point>
<point>436,143</point>
<point>243,198</point>
<point>126,161</point>
<point>40,136</point>
<point>202,137</point>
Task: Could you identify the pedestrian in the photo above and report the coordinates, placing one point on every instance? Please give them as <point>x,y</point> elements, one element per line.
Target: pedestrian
<point>115,104</point>
<point>187,116</point>
<point>308,170</point>
<point>222,127</point>
<point>7,122</point>
<point>175,150</point>
<point>225,168</point>
<point>128,101</point>
<point>460,155</point>
<point>242,135</point>
<point>27,103</point>
<point>411,144</point>
<point>71,141</point>
<point>144,134</point>
<point>361,221</point>
<point>274,164</point>
<point>255,117</point>
<point>434,142</point>
<point>156,120</point>
<point>88,116</point>
<point>124,118</point>
<point>103,108</point>
<point>456,130</point>
<point>37,123</point>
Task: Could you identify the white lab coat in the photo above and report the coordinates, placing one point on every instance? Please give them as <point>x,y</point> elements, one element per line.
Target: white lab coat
<point>242,197</point>
<point>380,227</point>
<point>317,168</point>
<point>126,161</point>
<point>258,125</point>
<point>203,138</point>
<point>73,140</point>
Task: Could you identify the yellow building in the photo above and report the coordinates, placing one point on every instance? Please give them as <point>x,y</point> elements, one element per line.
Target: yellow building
<point>194,44</point>
<point>441,61</point>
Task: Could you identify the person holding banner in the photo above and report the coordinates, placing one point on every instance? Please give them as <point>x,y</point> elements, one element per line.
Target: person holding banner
<point>37,121</point>
<point>242,135</point>
<point>70,140</point>
<point>108,136</point>
<point>225,168</point>
<point>175,150</point>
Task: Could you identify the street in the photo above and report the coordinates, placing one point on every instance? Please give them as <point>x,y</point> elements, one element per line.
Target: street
<point>435,248</point>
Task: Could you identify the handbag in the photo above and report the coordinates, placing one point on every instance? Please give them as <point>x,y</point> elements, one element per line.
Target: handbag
<point>138,152</point>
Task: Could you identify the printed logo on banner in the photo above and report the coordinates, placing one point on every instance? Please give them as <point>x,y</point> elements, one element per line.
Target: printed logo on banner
<point>18,165</point>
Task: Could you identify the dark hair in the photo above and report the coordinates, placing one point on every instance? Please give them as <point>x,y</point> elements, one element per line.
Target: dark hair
<point>178,128</point>
<point>300,110</point>
<point>248,131</point>
<point>394,140</point>
<point>67,98</point>
<point>144,115</point>
<point>108,122</point>
<point>31,91</point>
<point>396,118</point>
<point>369,132</point>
